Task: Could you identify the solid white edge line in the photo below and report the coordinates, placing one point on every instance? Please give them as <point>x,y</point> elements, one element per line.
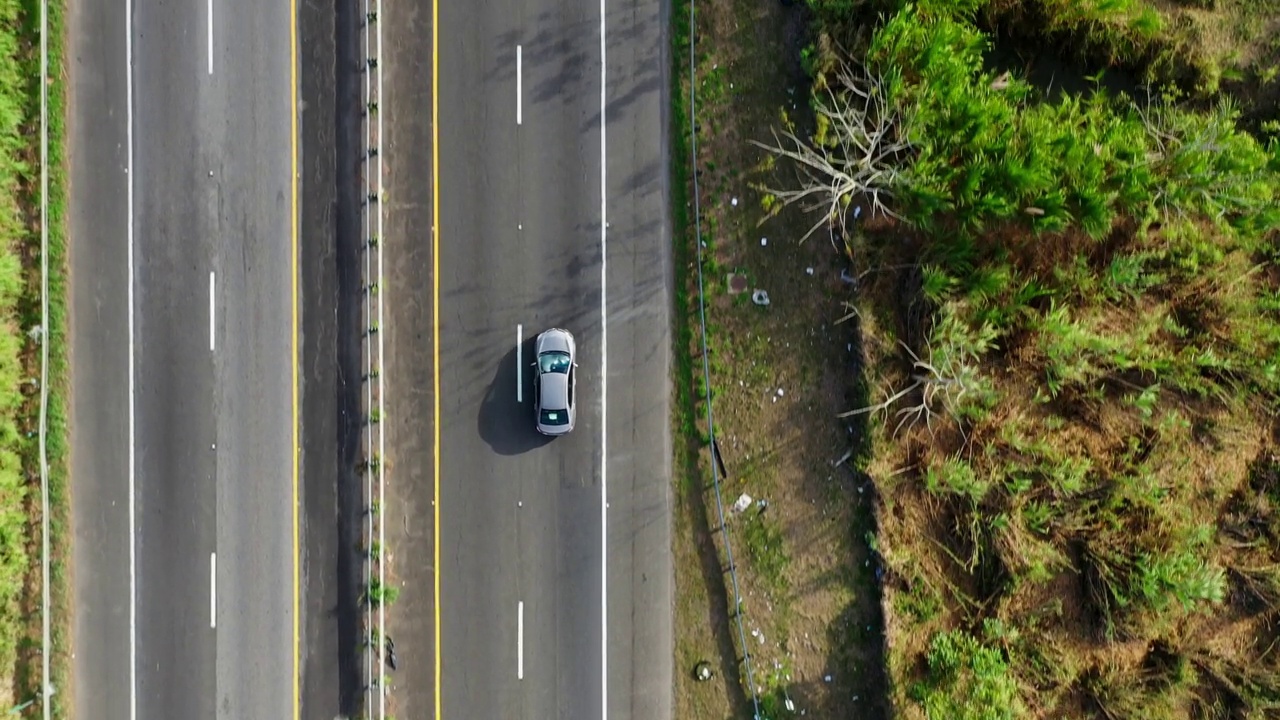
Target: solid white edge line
<point>520,640</point>
<point>604,394</point>
<point>213,589</point>
<point>213,314</point>
<point>519,363</point>
<point>210,43</point>
<point>519,85</point>
<point>133,558</point>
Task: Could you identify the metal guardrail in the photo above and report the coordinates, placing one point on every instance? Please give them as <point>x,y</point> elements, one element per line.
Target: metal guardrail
<point>376,640</point>
<point>736,611</point>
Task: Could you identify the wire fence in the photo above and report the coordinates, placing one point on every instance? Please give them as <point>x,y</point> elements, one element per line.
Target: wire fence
<point>736,611</point>
<point>379,652</point>
<point>46,685</point>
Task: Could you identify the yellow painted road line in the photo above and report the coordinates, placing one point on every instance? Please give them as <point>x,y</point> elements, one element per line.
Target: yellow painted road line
<point>293,338</point>
<point>435,316</point>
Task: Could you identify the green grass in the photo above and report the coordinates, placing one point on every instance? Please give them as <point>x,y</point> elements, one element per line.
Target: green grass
<point>15,446</point>
<point>966,680</point>
<point>688,437</point>
<point>378,594</point>
<point>20,562</point>
<point>693,639</point>
<point>763,543</point>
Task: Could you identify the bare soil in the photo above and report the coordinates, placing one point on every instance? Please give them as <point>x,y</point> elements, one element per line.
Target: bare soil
<point>780,374</point>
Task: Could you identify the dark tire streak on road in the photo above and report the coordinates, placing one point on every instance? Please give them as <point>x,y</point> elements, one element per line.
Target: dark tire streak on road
<point>330,308</point>
<point>351,502</point>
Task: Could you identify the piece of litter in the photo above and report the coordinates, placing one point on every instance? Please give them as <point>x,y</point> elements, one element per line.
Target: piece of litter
<point>733,202</point>
<point>808,271</point>
<point>760,297</point>
<point>764,241</point>
<point>744,502</point>
<point>780,393</point>
<point>826,678</point>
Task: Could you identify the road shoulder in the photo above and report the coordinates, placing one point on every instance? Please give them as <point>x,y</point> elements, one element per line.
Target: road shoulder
<point>99,330</point>
<point>410,361</point>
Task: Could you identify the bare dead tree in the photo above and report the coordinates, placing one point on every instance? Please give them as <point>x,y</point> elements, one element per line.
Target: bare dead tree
<point>869,141</point>
<point>940,385</point>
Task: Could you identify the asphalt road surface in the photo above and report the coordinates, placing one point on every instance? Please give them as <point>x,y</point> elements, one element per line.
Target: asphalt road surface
<point>182,342</point>
<point>555,570</point>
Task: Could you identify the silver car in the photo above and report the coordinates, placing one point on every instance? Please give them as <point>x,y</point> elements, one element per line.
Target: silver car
<point>554,378</point>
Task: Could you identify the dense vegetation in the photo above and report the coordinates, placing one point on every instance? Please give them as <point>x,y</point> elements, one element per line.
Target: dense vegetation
<point>1072,304</point>
<point>20,339</point>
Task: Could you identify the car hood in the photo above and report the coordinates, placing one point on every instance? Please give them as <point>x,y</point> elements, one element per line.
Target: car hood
<point>555,391</point>
<point>554,342</point>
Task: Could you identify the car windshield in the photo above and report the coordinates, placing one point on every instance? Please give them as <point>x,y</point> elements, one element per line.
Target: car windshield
<point>555,417</point>
<point>557,362</point>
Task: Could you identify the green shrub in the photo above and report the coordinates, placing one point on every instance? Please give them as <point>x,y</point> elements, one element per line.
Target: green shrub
<point>966,680</point>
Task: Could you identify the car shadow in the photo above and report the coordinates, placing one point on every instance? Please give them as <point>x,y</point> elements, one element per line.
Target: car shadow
<point>505,423</point>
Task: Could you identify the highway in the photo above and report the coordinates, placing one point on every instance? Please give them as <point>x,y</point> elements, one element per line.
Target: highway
<point>555,574</point>
<point>552,594</point>
<point>183,340</point>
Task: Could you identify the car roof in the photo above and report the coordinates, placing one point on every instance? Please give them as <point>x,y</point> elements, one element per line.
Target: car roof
<point>555,391</point>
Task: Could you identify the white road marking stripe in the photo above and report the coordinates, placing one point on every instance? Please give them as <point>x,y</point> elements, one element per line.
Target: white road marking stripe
<point>604,392</point>
<point>133,558</point>
<point>519,364</point>
<point>519,84</point>
<point>213,590</point>
<point>213,325</point>
<point>520,640</point>
<point>210,43</point>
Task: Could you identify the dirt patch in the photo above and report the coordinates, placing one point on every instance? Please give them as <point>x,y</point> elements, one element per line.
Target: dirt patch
<point>780,375</point>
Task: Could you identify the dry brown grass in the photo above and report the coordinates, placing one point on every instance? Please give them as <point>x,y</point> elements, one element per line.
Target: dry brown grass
<point>1199,470</point>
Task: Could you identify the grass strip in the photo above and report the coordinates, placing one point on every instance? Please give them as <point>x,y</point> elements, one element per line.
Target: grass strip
<point>698,568</point>
<point>20,314</point>
<point>59,375</point>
